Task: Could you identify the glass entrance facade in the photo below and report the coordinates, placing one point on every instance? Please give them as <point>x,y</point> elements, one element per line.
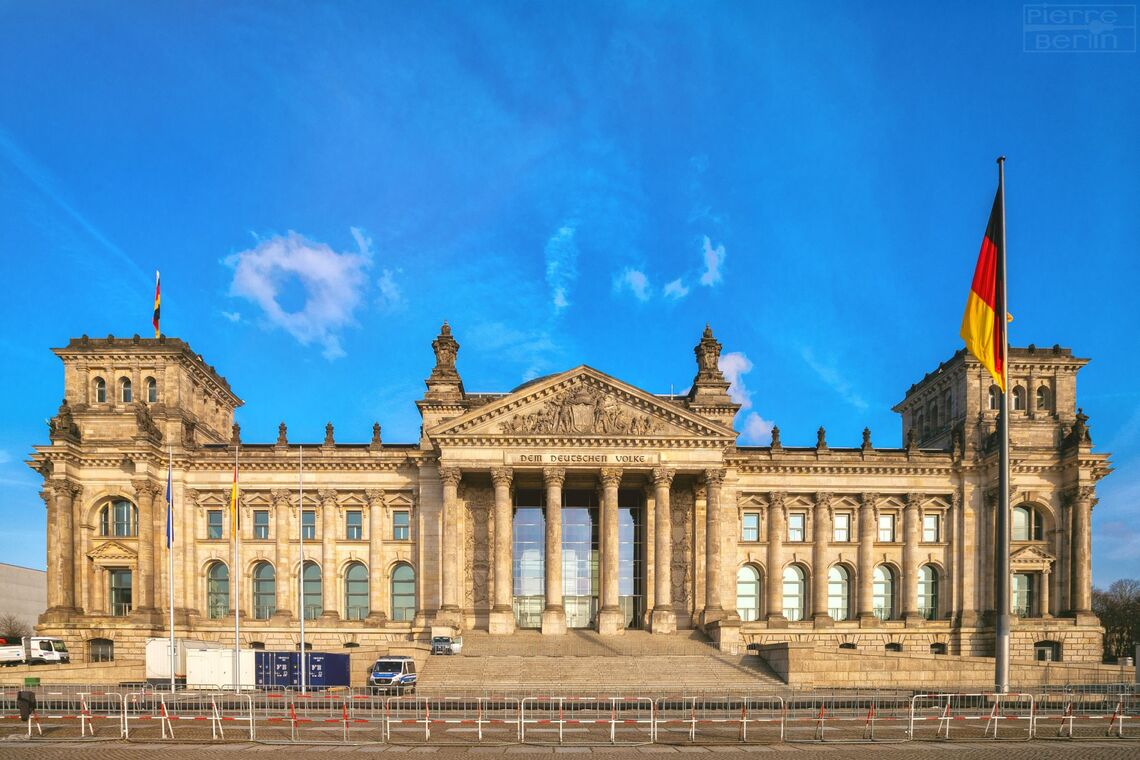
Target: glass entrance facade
<point>580,557</point>
<point>631,558</point>
<point>528,559</point>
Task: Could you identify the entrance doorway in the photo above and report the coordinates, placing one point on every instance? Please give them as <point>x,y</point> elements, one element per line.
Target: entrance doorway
<point>580,557</point>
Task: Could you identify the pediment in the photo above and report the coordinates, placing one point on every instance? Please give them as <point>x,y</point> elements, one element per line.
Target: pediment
<point>113,551</point>
<point>581,404</point>
<point>1031,556</point>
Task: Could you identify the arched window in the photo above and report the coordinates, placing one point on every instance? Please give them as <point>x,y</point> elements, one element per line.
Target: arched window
<point>748,593</point>
<point>947,405</point>
<point>125,394</point>
<point>932,415</point>
<point>100,650</point>
<point>1018,399</point>
<point>1027,525</point>
<point>264,591</point>
<point>217,591</point>
<point>311,591</point>
<point>119,518</point>
<point>993,398</point>
<point>356,591</point>
<point>883,593</point>
<point>928,592</point>
<point>938,647</point>
<point>794,592</point>
<point>920,424</point>
<point>838,596</point>
<point>151,391</point>
<point>100,394</point>
<point>403,592</point>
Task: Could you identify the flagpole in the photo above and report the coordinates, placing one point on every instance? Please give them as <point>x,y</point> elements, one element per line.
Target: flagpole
<point>1001,548</point>
<point>301,544</point>
<point>237,579</point>
<point>170,556</point>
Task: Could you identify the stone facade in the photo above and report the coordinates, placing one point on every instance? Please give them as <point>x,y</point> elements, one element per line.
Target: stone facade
<point>574,500</point>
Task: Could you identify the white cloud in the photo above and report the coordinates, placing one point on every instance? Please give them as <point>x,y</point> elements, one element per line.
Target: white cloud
<point>332,285</point>
<point>233,316</point>
<point>714,259</point>
<point>754,429</point>
<point>636,281</point>
<point>5,457</point>
<point>561,255</point>
<point>675,290</point>
<point>833,378</point>
<point>390,294</point>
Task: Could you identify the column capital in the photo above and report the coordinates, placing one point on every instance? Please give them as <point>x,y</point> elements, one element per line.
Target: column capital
<point>376,497</point>
<point>663,476</point>
<point>914,500</point>
<point>823,500</point>
<point>1078,494</point>
<point>610,476</point>
<point>714,477</point>
<point>280,495</point>
<point>554,476</point>
<point>145,487</point>
<point>870,500</point>
<point>776,499</point>
<point>502,476</point>
<point>450,475</point>
<point>326,495</point>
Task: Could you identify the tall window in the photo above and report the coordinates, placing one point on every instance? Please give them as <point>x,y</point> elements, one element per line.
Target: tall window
<point>311,590</point>
<point>930,528</point>
<point>403,592</point>
<point>883,593</point>
<point>796,522</point>
<point>928,592</point>
<point>120,588</point>
<point>1021,599</point>
<point>1027,525</point>
<point>793,592</point>
<point>308,525</point>
<point>992,400</point>
<point>748,593</point>
<point>838,593</point>
<point>750,527</point>
<point>125,390</point>
<point>886,528</point>
<point>353,525</point>
<point>841,528</point>
<point>213,523</point>
<point>264,591</point>
<point>217,591</point>
<point>151,391</point>
<point>1043,398</point>
<point>100,391</point>
<point>356,591</point>
<point>119,518</point>
<point>261,523</point>
<point>400,526</point>
<point>1018,399</point>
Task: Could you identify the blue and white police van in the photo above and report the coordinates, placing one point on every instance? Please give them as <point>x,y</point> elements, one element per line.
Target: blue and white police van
<point>394,674</point>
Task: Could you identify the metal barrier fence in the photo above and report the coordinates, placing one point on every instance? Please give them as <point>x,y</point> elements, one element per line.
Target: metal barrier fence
<point>340,716</point>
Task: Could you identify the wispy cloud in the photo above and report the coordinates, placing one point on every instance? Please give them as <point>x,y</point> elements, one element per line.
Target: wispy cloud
<point>391,297</point>
<point>531,349</point>
<point>754,429</point>
<point>675,290</point>
<point>833,379</point>
<point>332,284</point>
<point>561,255</point>
<point>636,281</point>
<point>233,316</point>
<point>714,260</point>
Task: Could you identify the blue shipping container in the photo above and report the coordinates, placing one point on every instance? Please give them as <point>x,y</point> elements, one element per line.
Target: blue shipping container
<point>277,670</point>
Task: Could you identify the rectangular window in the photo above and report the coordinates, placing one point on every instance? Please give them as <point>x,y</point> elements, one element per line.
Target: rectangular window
<point>214,523</point>
<point>750,528</point>
<point>400,526</point>
<point>886,528</point>
<point>261,523</point>
<point>120,588</point>
<point>841,530</point>
<point>930,528</point>
<point>354,525</point>
<point>308,525</point>
<point>796,526</point>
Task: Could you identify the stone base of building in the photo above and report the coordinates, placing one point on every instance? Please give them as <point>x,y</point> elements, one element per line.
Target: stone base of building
<point>554,621</point>
<point>725,632</point>
<point>611,621</point>
<point>501,622</point>
<point>663,621</point>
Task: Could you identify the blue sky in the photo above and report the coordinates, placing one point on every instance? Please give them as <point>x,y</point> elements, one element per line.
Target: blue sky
<point>323,184</point>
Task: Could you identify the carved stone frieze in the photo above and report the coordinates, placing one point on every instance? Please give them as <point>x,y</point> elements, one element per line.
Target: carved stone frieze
<point>585,410</point>
<point>479,538</point>
<point>681,506</point>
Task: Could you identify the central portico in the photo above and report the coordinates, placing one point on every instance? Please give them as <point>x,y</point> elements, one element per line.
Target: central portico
<point>558,507</point>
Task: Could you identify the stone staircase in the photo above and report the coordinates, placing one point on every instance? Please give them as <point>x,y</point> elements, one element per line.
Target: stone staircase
<point>586,662</point>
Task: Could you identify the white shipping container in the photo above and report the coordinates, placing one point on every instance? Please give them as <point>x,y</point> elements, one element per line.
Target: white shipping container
<point>214,668</point>
<point>158,656</point>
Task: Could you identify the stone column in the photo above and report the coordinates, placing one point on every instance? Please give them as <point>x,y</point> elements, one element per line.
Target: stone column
<point>821,537</point>
<point>189,551</point>
<point>610,617</point>
<point>377,615</point>
<point>1043,579</point>
<point>328,555</point>
<point>145,495</point>
<point>912,532</point>
<point>664,617</point>
<point>58,497</point>
<point>286,591</point>
<point>774,575</point>
<point>449,545</point>
<point>1082,552</point>
<point>502,617</point>
<point>713,609</point>
<point>1065,598</point>
<point>868,520</point>
<point>554,614</point>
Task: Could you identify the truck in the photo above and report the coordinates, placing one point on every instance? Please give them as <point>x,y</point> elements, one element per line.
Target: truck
<point>158,658</point>
<point>33,650</point>
<point>11,651</point>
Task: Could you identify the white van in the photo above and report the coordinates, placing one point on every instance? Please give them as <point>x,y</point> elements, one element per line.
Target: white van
<point>11,651</point>
<point>39,649</point>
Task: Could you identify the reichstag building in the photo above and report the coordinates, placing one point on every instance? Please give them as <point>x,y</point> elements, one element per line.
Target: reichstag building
<point>573,501</point>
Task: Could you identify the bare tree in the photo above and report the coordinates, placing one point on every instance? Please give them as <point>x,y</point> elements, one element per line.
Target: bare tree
<point>12,627</point>
<point>1119,611</point>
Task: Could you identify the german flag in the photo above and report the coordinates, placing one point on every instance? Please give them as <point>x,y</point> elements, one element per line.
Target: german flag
<point>981,328</point>
<point>157,303</point>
